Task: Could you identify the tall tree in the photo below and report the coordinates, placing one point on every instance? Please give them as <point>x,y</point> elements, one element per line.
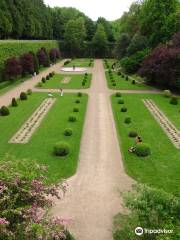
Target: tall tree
<point>121,46</point>
<point>100,42</point>
<point>107,27</point>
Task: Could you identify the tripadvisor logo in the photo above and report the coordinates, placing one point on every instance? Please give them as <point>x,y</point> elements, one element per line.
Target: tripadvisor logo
<point>140,231</point>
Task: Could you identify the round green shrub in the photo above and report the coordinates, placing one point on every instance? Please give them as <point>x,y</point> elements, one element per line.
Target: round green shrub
<point>142,150</point>
<point>4,111</point>
<point>76,110</point>
<point>47,77</point>
<point>167,93</point>
<point>118,95</point>
<point>121,101</point>
<point>29,92</point>
<point>86,74</point>
<point>23,96</point>
<point>123,109</point>
<point>133,82</point>
<point>122,76</point>
<point>51,75</point>
<point>72,119</point>
<point>68,132</point>
<point>83,83</point>
<point>133,134</point>
<point>77,101</point>
<point>174,101</point>
<point>114,84</point>
<point>14,103</point>
<point>119,73</point>
<point>127,78</point>
<point>127,120</point>
<point>61,149</point>
<point>79,94</point>
<point>43,80</point>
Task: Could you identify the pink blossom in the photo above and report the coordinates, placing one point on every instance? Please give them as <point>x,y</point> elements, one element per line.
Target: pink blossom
<point>3,221</point>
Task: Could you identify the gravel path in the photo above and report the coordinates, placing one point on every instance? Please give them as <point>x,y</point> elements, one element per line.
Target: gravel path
<point>6,98</point>
<point>93,198</point>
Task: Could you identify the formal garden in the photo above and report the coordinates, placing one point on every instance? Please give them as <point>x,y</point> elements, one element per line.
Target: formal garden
<point>89,123</point>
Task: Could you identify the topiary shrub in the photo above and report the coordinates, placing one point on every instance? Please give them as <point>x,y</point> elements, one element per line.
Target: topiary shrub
<point>72,119</point>
<point>47,77</point>
<point>4,111</point>
<point>132,134</point>
<point>142,150</point>
<point>127,78</point>
<point>61,149</point>
<point>76,110</point>
<point>118,95</point>
<point>14,103</point>
<point>66,62</point>
<point>133,82</point>
<point>121,101</point>
<point>29,92</point>
<point>68,132</point>
<point>86,74</point>
<point>167,93</point>
<point>39,84</point>
<point>123,109</point>
<point>83,83</point>
<point>127,120</point>
<point>114,84</point>
<point>43,80</point>
<point>50,75</point>
<point>77,101</point>
<point>23,96</point>
<point>119,73</point>
<point>122,76</point>
<point>79,94</point>
<point>174,101</point>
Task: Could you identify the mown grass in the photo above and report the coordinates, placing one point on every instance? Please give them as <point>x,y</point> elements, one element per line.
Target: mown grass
<point>119,82</point>
<point>40,146</point>
<point>81,62</point>
<point>75,82</point>
<point>162,167</point>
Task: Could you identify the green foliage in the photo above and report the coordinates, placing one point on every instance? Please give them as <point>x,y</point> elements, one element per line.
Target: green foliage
<point>138,43</point>
<point>121,101</point>
<point>14,102</point>
<point>121,45</point>
<point>29,92</point>
<point>79,94</point>
<point>174,101</point>
<point>123,109</point>
<point>132,134</point>
<point>72,118</point>
<point>77,101</point>
<point>127,120</point>
<point>142,150</point>
<point>132,64</point>
<point>23,96</point>
<point>118,95</point>
<point>149,208</point>
<point>76,109</point>
<point>99,42</point>
<point>4,111</point>
<point>61,149</point>
<point>68,132</point>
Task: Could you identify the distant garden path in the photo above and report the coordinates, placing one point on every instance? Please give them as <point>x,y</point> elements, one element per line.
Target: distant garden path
<point>92,198</point>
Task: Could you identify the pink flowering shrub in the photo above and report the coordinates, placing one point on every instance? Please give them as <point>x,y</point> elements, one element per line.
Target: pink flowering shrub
<point>25,201</point>
<point>54,54</point>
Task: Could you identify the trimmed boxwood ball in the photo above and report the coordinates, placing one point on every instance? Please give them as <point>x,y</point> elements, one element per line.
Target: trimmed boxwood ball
<point>120,101</point>
<point>118,94</point>
<point>76,110</point>
<point>114,84</point>
<point>77,101</point>
<point>123,109</point>
<point>127,78</point>
<point>83,83</point>
<point>133,134</point>
<point>127,120</point>
<point>39,84</point>
<point>79,94</point>
<point>14,103</point>
<point>61,149</point>
<point>43,80</point>
<point>68,132</point>
<point>4,111</point>
<point>47,78</point>
<point>174,101</point>
<point>142,150</point>
<point>72,119</point>
<point>51,75</point>
<point>23,96</point>
<point>133,82</point>
<point>29,92</point>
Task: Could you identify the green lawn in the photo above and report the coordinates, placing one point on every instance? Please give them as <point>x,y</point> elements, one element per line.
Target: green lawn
<point>118,82</point>
<point>75,81</point>
<point>162,167</point>
<point>81,62</point>
<point>51,130</point>
<point>110,62</point>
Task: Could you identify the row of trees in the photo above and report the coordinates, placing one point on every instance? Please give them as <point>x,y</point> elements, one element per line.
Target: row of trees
<point>29,63</point>
<point>145,41</point>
